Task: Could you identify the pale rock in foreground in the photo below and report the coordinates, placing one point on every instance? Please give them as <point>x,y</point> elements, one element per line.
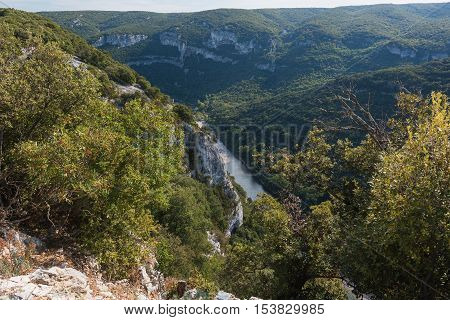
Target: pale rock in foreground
<point>51,284</point>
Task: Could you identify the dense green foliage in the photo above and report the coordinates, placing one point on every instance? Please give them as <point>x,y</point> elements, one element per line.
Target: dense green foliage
<point>85,166</point>
<point>298,61</point>
<point>275,256</point>
<point>194,209</point>
<point>19,31</point>
<point>81,165</point>
<point>305,49</point>
<point>375,214</point>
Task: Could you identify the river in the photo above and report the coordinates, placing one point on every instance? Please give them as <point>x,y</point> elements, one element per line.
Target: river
<point>240,173</point>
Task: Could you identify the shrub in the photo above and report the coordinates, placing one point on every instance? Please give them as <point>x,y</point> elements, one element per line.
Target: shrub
<point>184,113</point>
<point>87,170</point>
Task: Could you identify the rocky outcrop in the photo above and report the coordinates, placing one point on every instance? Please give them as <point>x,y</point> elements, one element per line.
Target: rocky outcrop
<point>173,39</point>
<point>222,295</point>
<point>207,164</point>
<point>222,37</point>
<point>266,66</point>
<point>55,278</point>
<point>420,54</point>
<point>153,281</point>
<point>76,23</point>
<point>57,283</point>
<point>215,243</point>
<point>120,40</point>
<point>51,284</point>
<point>402,52</point>
<point>125,90</point>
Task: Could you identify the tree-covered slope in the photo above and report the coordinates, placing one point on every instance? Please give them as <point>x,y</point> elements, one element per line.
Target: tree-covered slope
<point>92,161</point>
<point>192,55</point>
<point>96,169</point>
<point>303,102</point>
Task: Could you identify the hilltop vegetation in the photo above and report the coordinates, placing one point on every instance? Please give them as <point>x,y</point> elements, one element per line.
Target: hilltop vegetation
<point>374,214</point>
<point>86,167</point>
<point>20,32</point>
<point>272,49</point>
<point>102,173</point>
<point>266,69</point>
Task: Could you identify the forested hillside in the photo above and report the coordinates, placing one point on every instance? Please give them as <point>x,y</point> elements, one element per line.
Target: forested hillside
<point>259,71</point>
<point>270,53</point>
<point>113,176</point>
<point>92,160</point>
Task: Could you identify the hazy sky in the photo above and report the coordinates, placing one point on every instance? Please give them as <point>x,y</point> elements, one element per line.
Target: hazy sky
<point>184,5</point>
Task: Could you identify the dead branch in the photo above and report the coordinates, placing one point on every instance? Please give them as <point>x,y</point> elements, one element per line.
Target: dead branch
<point>360,114</point>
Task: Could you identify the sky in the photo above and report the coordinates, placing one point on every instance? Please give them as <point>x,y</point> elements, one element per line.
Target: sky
<point>184,5</point>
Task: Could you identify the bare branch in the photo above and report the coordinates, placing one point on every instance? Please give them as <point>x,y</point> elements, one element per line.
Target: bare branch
<point>361,115</point>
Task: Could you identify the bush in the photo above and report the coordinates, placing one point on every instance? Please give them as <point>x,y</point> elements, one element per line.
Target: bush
<point>87,170</point>
<point>184,113</point>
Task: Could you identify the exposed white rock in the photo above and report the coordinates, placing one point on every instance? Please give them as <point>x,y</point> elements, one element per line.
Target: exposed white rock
<point>120,40</point>
<point>173,39</point>
<point>402,52</point>
<point>77,63</point>
<point>222,37</point>
<point>52,284</point>
<point>152,280</point>
<point>76,23</point>
<point>214,241</point>
<point>222,295</point>
<point>26,52</point>
<point>128,89</point>
<point>208,165</point>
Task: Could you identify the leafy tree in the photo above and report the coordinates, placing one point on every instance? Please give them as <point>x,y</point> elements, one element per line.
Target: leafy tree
<point>383,222</point>
<point>194,210</point>
<point>308,172</point>
<point>278,256</point>
<point>80,166</point>
<point>408,220</point>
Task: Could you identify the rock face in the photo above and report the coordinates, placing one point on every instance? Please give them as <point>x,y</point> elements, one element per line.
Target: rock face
<point>129,89</point>
<point>58,283</point>
<point>152,280</point>
<point>222,37</point>
<point>421,54</point>
<point>120,40</point>
<point>173,39</point>
<point>51,284</point>
<point>207,164</point>
<point>402,52</point>
<point>214,241</point>
<point>222,295</point>
<point>210,49</point>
